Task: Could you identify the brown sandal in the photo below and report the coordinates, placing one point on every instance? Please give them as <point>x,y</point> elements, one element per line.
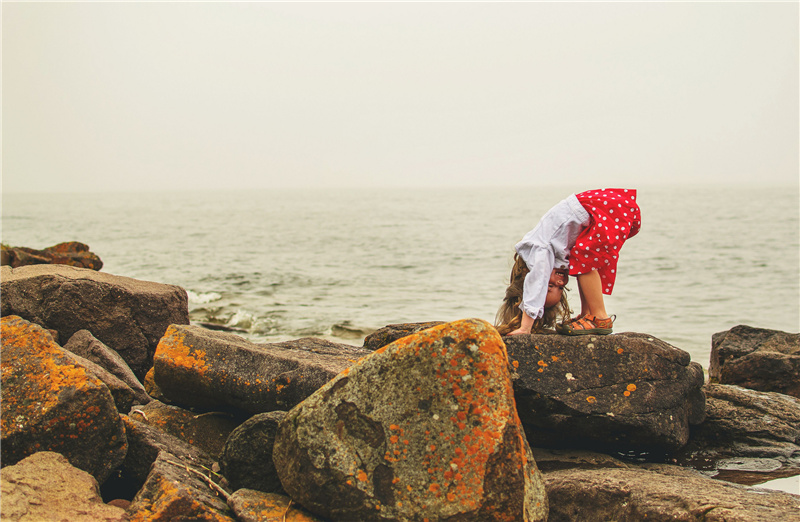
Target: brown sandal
<point>587,325</point>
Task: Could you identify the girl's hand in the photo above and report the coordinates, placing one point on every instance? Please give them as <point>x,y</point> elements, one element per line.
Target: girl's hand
<point>525,327</point>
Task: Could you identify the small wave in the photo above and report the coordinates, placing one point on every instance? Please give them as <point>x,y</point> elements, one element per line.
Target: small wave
<point>203,298</point>
<point>241,319</point>
<point>345,330</point>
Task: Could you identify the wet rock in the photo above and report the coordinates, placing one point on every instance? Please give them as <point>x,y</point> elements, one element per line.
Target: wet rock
<point>211,370</point>
<point>45,486</point>
<point>177,489</point>
<point>756,358</point>
<point>624,392</point>
<point>748,436</point>
<point>84,344</point>
<point>246,460</point>
<point>49,404</point>
<point>660,492</point>
<point>441,440</point>
<point>128,315</point>
<point>70,253</point>
<point>208,431</point>
<point>145,442</point>
<point>390,333</point>
<point>256,506</point>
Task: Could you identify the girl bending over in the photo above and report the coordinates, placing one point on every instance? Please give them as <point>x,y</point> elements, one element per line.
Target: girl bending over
<point>580,236</point>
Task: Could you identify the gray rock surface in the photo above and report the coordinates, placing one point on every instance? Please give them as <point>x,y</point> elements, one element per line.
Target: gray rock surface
<point>246,460</point>
<point>84,344</point>
<point>124,396</point>
<point>756,358</point>
<point>623,392</point>
<point>660,493</point>
<point>126,314</point>
<point>392,332</point>
<point>749,436</point>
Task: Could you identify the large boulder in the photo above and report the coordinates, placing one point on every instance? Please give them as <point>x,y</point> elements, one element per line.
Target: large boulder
<point>625,392</point>
<point>126,314</point>
<point>660,492</point>
<point>246,460</point>
<point>49,404</point>
<point>424,427</point>
<point>748,436</point>
<point>70,253</point>
<point>44,486</point>
<point>86,345</point>
<point>205,369</point>
<point>756,358</point>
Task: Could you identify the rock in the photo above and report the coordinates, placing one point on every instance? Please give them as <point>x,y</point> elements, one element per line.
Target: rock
<point>208,431</point>
<point>175,490</point>
<point>625,392</point>
<point>660,492</point>
<point>70,253</point>
<point>211,370</point>
<point>124,396</point>
<point>127,315</point>
<point>44,486</point>
<point>441,439</point>
<point>748,436</point>
<point>554,459</point>
<point>756,358</point>
<point>145,442</point>
<point>49,404</point>
<point>152,388</point>
<point>256,506</point>
<point>246,460</point>
<point>390,333</point>
<point>84,344</point>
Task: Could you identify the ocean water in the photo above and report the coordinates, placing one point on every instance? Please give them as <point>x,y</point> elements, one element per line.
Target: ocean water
<point>338,264</point>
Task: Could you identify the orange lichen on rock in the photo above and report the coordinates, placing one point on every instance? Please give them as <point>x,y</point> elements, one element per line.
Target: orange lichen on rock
<point>465,425</point>
<point>49,403</point>
<point>173,350</point>
<point>170,501</point>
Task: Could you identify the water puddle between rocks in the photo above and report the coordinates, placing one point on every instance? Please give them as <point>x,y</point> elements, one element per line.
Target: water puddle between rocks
<point>758,472</point>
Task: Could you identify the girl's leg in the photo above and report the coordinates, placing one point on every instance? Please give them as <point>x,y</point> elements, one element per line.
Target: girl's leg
<point>591,291</point>
<point>584,306</point>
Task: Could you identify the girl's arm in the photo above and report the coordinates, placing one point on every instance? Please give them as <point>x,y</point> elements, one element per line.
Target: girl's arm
<point>525,327</point>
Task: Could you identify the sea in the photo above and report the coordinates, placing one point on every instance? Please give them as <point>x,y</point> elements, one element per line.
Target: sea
<point>339,263</point>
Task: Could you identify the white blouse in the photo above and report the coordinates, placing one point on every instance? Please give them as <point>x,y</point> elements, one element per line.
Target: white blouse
<point>547,247</point>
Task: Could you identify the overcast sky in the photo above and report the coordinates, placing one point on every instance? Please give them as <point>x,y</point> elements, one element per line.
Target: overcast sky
<point>135,96</point>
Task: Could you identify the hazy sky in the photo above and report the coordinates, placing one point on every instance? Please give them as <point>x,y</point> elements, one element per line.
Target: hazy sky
<point>124,96</point>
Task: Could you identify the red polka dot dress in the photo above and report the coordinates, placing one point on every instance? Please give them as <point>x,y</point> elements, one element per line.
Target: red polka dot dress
<point>615,217</point>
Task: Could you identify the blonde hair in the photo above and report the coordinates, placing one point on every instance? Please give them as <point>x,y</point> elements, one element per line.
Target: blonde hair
<point>509,316</point>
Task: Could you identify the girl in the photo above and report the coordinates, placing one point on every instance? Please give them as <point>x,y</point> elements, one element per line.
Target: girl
<point>582,235</point>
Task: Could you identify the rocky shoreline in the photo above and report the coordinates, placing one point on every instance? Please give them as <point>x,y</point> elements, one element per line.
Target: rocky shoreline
<point>114,407</point>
